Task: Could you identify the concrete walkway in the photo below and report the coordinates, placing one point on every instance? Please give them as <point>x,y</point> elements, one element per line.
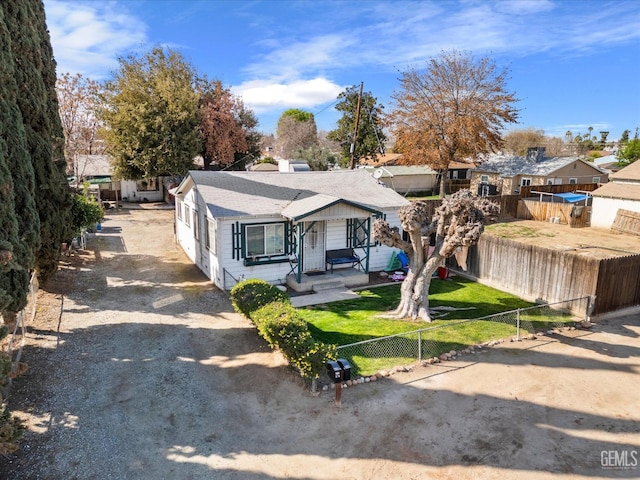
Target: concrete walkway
<point>324,296</point>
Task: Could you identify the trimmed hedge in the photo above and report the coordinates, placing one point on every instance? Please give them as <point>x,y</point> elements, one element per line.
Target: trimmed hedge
<point>280,325</point>
<point>249,295</point>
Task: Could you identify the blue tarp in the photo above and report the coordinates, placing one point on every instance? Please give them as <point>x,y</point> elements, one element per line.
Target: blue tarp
<point>572,197</point>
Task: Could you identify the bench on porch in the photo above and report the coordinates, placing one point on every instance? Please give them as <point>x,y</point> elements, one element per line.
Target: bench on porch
<point>342,256</point>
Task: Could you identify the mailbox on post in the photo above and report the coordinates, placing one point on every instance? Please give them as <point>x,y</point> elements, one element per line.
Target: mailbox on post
<point>334,370</point>
<point>339,371</point>
<point>345,366</point>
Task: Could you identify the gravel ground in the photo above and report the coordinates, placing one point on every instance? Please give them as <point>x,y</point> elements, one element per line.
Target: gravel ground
<point>139,369</point>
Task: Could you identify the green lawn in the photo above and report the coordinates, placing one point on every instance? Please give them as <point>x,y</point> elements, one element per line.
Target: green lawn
<point>352,321</point>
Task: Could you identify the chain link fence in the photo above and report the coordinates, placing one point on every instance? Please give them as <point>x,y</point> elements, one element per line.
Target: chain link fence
<point>370,356</point>
<point>12,344</point>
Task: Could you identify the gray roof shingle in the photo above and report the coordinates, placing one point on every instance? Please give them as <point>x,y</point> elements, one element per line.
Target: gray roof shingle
<point>237,194</point>
<point>511,165</point>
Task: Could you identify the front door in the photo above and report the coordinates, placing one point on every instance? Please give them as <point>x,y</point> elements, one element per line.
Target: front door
<point>314,252</point>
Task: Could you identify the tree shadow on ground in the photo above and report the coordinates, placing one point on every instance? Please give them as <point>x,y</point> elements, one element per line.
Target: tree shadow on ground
<point>215,404</point>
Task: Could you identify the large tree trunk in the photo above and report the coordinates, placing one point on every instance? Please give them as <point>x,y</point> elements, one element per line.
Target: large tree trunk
<point>414,292</point>
<point>443,182</point>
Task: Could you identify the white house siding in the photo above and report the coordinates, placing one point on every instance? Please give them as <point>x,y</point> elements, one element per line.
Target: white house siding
<point>379,255</point>
<point>130,192</point>
<point>604,210</point>
<point>336,235</point>
<point>271,272</point>
<point>184,232</point>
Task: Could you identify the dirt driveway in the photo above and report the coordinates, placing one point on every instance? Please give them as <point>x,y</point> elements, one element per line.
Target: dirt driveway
<point>139,369</point>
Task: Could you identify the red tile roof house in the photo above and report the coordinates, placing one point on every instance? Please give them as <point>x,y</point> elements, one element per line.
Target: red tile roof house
<point>621,193</point>
<point>284,227</point>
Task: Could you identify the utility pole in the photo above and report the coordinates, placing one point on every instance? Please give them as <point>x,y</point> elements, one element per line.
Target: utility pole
<point>355,133</point>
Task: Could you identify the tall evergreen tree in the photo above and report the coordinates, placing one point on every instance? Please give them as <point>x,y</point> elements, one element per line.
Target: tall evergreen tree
<point>21,225</point>
<point>37,100</point>
<point>370,138</point>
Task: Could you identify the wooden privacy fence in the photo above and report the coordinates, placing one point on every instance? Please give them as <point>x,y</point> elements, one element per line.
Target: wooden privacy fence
<point>618,283</point>
<point>627,221</point>
<point>543,274</point>
<point>508,205</point>
<point>564,213</point>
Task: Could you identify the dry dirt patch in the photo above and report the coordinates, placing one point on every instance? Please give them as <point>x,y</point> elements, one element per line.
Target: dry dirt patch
<point>141,370</point>
<point>590,241</point>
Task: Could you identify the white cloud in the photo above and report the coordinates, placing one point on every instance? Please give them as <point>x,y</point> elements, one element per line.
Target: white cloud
<point>297,58</point>
<point>265,95</point>
<point>88,37</point>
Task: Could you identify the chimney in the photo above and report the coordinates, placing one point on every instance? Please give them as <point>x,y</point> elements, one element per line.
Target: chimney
<point>535,154</point>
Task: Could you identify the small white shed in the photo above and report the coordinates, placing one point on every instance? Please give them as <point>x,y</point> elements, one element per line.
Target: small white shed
<point>621,193</point>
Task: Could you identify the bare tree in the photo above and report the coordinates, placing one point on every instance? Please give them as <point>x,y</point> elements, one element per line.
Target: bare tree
<point>78,99</point>
<point>455,108</point>
<point>457,224</point>
<point>518,141</point>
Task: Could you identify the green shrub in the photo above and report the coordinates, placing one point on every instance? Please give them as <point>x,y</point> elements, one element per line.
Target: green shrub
<point>249,295</point>
<point>11,430</point>
<point>316,354</point>
<point>281,326</point>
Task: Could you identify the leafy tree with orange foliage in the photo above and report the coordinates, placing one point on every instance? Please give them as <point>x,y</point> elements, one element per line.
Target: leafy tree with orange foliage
<point>453,109</point>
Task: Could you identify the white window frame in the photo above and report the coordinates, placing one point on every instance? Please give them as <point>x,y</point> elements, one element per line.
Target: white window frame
<point>484,179</point>
<point>269,234</point>
<point>196,225</point>
<point>595,180</point>
<point>179,209</point>
<point>210,235</point>
<point>525,182</point>
<point>549,181</point>
<point>187,215</point>
<point>573,181</point>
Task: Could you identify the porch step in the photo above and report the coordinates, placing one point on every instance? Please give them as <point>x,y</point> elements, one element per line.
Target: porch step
<point>327,285</point>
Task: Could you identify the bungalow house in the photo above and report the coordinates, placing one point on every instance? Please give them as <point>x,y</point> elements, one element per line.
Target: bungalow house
<point>293,228</point>
<point>406,179</point>
<point>622,193</point>
<point>505,174</point>
<point>97,170</point>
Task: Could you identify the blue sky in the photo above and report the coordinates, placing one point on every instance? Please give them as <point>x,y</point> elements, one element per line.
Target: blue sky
<point>573,63</point>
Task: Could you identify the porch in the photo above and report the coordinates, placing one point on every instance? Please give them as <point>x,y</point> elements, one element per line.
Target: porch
<point>326,280</point>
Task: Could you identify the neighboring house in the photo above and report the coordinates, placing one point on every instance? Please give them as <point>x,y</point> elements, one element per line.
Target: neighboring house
<point>97,170</point>
<point>406,179</point>
<point>263,167</point>
<point>279,226</point>
<point>460,170</point>
<point>608,163</point>
<point>292,166</point>
<point>621,193</point>
<point>505,174</point>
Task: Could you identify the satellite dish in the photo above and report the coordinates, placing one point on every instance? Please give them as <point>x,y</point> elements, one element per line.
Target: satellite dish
<point>377,173</point>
